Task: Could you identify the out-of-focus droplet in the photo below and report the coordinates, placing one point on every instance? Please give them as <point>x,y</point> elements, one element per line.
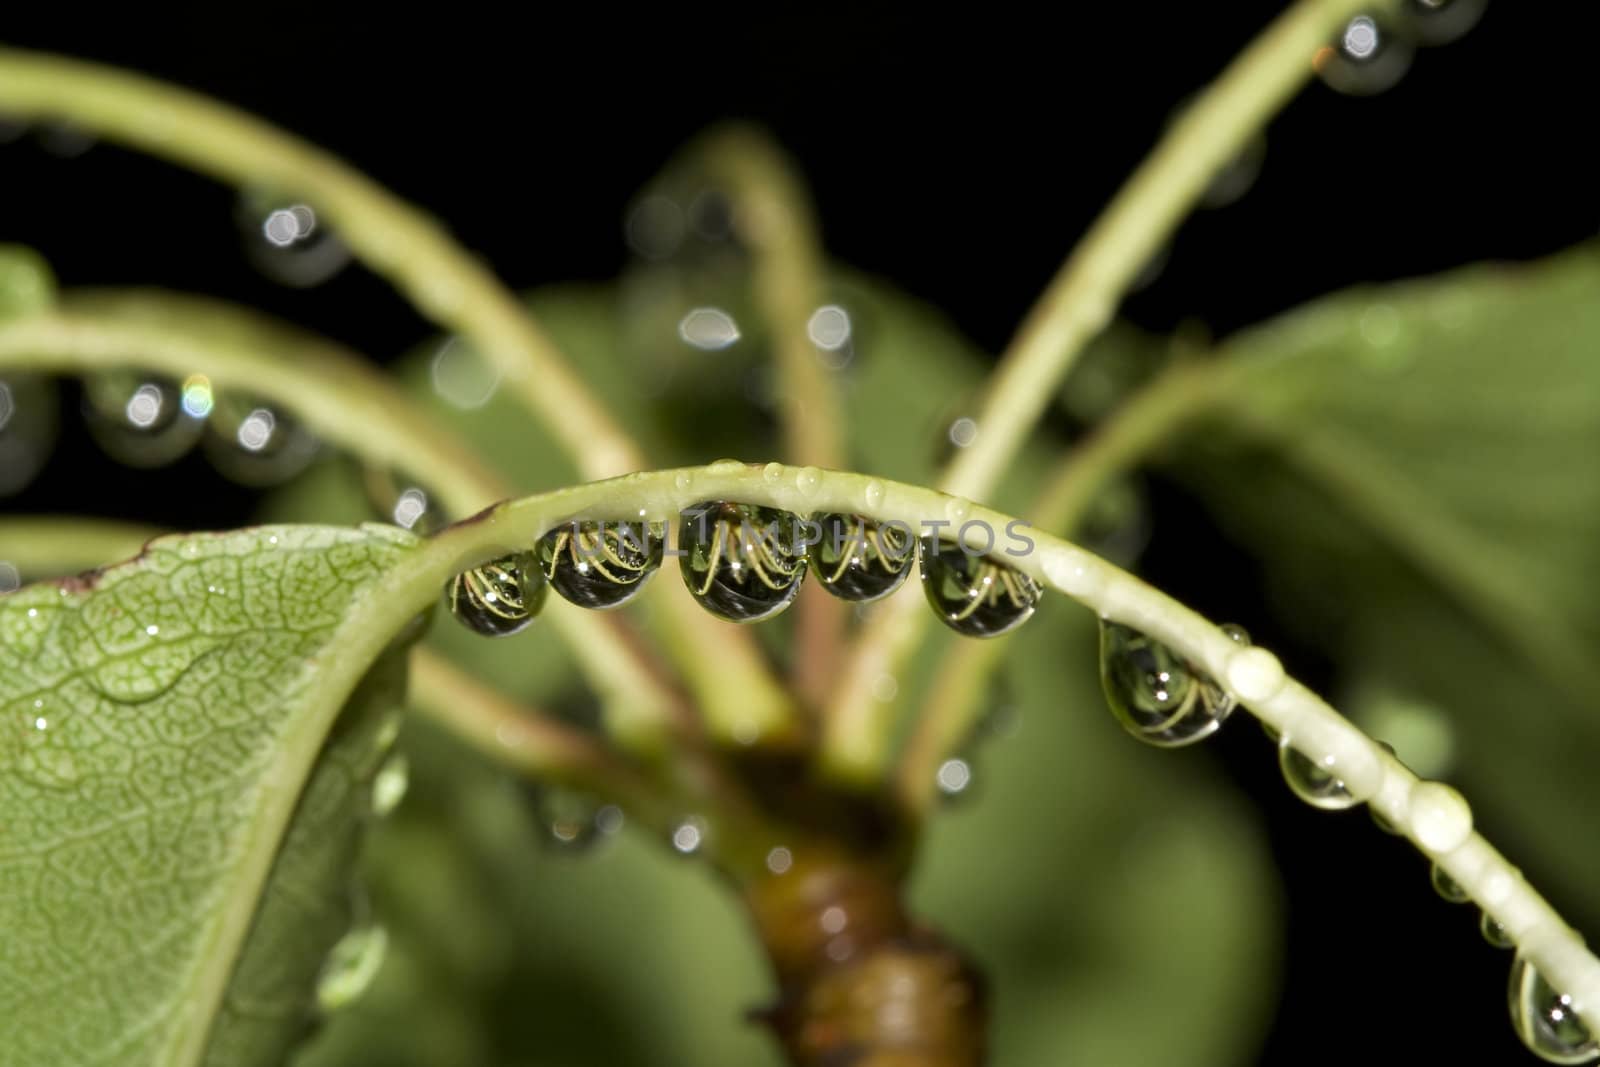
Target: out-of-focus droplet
<point>655,227</point>
<point>28,422</point>
<point>689,835</point>
<point>390,783</point>
<point>975,594</point>
<point>570,819</point>
<point>289,242</point>
<point>600,564</point>
<point>1154,693</point>
<point>609,819</point>
<point>1117,524</point>
<point>1446,886</point>
<point>462,377</point>
<point>963,431</point>
<point>708,329</point>
<point>860,559</point>
<point>64,140</point>
<point>711,215</point>
<point>351,966</point>
<point>195,396</point>
<point>10,577</point>
<point>1494,933</point>
<point>255,443</point>
<point>953,777</point>
<point>499,598</point>
<point>832,334</point>
<point>742,562</point>
<point>1315,783</point>
<point>1436,22</point>
<point>1366,58</point>
<point>400,499</point>
<point>1237,176</point>
<point>1545,1020</point>
<point>139,419</point>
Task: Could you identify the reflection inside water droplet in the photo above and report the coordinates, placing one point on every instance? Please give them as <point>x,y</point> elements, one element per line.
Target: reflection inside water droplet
<point>975,594</point>
<point>1545,1020</point>
<point>857,558</point>
<point>499,598</point>
<point>601,564</point>
<point>1155,694</point>
<point>1315,783</point>
<point>741,562</point>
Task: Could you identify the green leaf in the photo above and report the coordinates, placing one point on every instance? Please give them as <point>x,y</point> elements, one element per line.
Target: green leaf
<point>1415,463</point>
<point>180,795</point>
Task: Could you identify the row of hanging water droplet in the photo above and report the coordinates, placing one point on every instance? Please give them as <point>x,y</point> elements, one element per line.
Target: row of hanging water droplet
<point>148,420</point>
<point>744,563</point>
<point>1163,700</point>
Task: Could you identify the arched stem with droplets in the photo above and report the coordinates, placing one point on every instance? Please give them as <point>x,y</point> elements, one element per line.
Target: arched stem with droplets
<point>1432,816</point>
<point>1078,303</point>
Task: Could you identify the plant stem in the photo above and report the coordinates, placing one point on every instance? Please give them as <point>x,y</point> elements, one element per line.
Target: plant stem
<point>444,281</point>
<point>398,241</point>
<point>1078,303</point>
<point>773,217</point>
<point>1431,816</point>
<point>1179,393</point>
<point>342,399</point>
<point>49,546</point>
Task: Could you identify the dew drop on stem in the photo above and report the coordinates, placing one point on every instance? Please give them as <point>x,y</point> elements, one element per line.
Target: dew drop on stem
<point>1155,694</point>
<point>140,419</point>
<point>1545,1019</point>
<point>974,594</point>
<point>499,598</point>
<point>741,562</point>
<point>1366,57</point>
<point>1314,782</point>
<point>600,564</point>
<point>859,559</point>
<point>1494,933</point>
<point>1446,886</point>
<point>288,241</point>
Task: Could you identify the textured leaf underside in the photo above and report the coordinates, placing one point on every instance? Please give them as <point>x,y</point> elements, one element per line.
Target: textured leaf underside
<point>159,722</point>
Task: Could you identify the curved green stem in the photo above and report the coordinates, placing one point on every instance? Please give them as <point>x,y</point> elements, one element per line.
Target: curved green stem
<point>775,221</point>
<point>341,398</point>
<point>48,546</point>
<point>398,241</point>
<point>1432,816</point>
<point>1078,303</point>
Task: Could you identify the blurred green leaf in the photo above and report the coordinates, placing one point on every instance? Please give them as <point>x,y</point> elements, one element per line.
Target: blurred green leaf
<point>182,796</point>
<point>1415,464</point>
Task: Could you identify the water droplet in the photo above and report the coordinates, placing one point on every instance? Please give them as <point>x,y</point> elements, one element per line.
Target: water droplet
<point>288,242</point>
<point>708,329</point>
<point>1366,58</point>
<point>398,498</point>
<point>461,376</point>
<point>683,480</point>
<point>600,564</point>
<point>772,473</point>
<point>655,227</point>
<point>498,598</point>
<point>1436,22</point>
<point>953,777</point>
<point>10,577</point>
<point>139,419</point>
<point>1237,176</point>
<point>1494,933</point>
<point>27,429</point>
<point>1118,524</point>
<point>963,431</point>
<point>973,594</point>
<point>389,784</point>
<point>256,444</point>
<point>860,559</point>
<point>571,820</point>
<point>1545,1020</point>
<point>1316,784</point>
<point>609,819</point>
<point>807,479</point>
<point>874,494</point>
<point>740,561</point>
<point>689,835</point>
<point>1447,887</point>
<point>351,966</point>
<point>1154,693</point>
<point>779,860</point>
<point>832,332</point>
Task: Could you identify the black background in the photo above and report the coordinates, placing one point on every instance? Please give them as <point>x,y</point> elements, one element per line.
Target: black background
<point>959,155</point>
